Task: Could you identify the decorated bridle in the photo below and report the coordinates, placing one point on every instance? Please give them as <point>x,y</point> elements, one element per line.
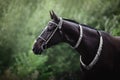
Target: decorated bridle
<point>59,26</point>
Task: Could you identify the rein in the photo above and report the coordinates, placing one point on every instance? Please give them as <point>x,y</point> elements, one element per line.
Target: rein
<point>80,37</point>
<point>94,61</point>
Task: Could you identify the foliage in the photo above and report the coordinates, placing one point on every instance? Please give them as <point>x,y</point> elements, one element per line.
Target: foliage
<point>21,21</point>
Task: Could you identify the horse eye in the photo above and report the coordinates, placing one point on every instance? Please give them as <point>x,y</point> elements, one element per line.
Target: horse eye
<point>50,24</point>
<point>50,28</point>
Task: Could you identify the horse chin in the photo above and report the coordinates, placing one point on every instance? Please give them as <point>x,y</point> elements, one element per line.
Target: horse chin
<point>37,52</point>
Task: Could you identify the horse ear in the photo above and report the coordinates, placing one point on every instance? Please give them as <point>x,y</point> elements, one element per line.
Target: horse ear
<point>51,15</point>
<point>54,16</point>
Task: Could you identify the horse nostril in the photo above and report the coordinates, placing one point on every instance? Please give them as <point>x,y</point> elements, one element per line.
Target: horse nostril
<point>34,50</point>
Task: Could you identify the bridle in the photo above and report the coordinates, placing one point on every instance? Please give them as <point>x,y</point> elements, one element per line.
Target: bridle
<point>59,26</point>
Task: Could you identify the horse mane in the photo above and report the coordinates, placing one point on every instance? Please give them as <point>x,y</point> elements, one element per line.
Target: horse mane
<point>78,23</point>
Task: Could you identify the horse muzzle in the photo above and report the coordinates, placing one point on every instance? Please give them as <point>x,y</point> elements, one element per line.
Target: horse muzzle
<point>39,50</point>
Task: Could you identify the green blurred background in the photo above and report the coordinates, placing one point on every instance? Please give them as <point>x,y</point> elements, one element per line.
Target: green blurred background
<point>21,21</point>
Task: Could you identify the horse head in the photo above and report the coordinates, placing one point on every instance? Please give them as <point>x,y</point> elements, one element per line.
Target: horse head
<point>50,36</point>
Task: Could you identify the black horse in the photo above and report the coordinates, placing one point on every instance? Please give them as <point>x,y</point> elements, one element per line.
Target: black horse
<point>100,52</point>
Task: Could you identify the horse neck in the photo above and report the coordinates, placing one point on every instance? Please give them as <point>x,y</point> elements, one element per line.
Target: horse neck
<point>89,44</point>
<point>70,32</point>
